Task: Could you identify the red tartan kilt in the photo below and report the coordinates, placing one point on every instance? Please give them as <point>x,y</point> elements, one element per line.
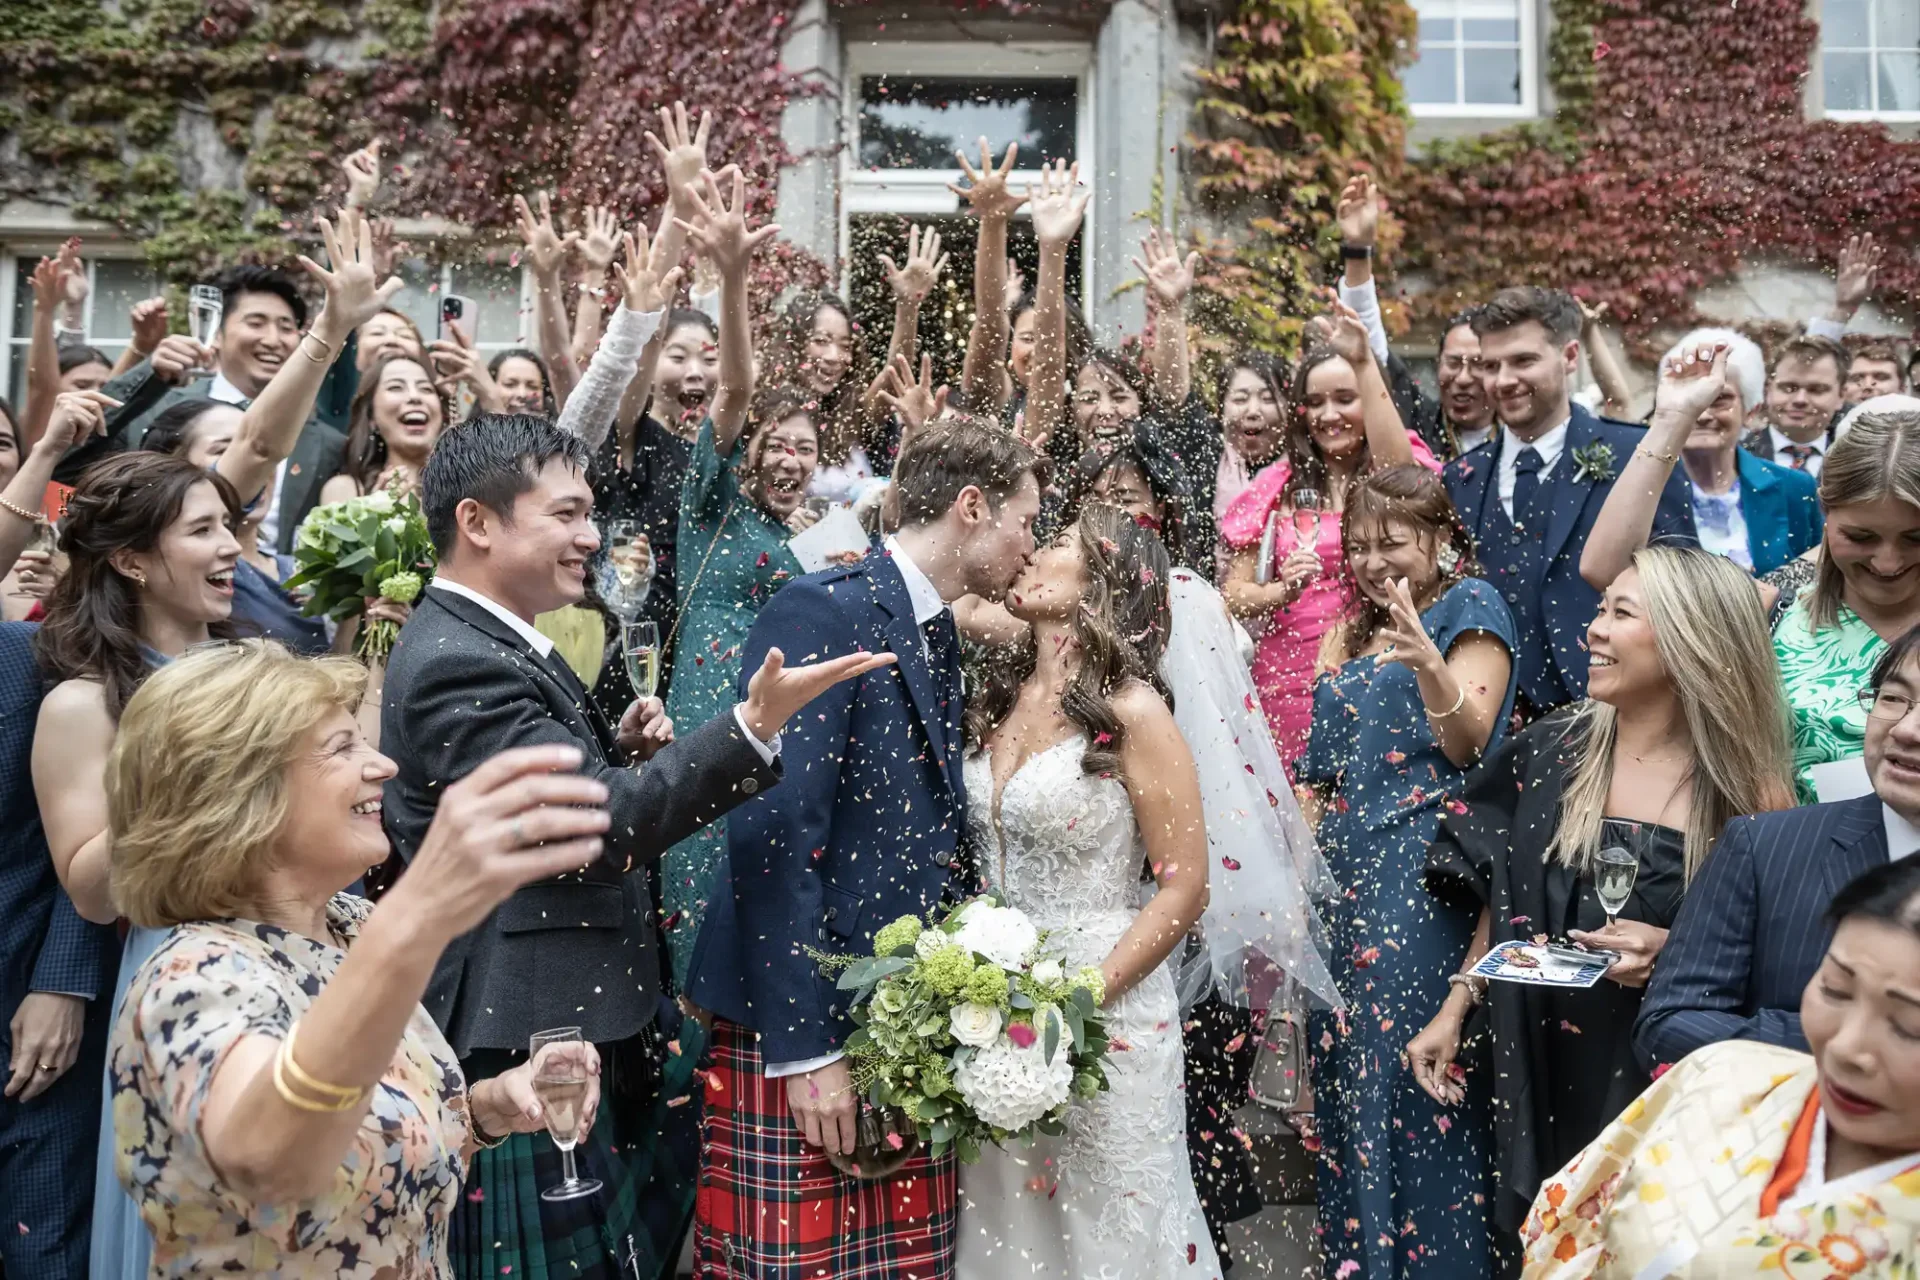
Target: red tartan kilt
<point>770,1207</point>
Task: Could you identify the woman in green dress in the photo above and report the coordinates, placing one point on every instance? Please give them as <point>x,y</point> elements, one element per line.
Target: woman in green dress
<point>743,497</point>
<point>1865,593</point>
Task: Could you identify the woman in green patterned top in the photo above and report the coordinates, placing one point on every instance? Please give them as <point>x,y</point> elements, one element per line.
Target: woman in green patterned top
<point>1866,591</point>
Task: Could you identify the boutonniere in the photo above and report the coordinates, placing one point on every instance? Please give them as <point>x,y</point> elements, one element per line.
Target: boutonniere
<point>1594,463</point>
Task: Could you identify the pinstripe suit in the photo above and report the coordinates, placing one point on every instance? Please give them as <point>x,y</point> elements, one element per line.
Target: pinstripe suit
<point>1750,934</point>
<point>46,1145</point>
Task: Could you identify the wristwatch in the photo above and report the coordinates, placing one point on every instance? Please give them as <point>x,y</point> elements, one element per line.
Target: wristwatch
<point>1356,252</point>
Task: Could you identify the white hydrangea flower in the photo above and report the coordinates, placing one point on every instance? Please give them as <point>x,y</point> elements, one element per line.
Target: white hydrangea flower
<point>1010,1087</point>
<point>1001,934</point>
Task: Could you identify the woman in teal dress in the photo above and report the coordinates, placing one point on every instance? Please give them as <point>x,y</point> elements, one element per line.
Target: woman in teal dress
<point>1419,685</point>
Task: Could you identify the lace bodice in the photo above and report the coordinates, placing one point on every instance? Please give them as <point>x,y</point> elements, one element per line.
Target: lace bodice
<point>1065,848</point>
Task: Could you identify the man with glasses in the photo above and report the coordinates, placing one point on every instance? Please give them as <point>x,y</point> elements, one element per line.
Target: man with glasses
<point>1752,931</point>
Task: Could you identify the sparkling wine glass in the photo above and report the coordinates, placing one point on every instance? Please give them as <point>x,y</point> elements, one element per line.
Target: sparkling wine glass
<point>1614,871</point>
<point>1306,518</point>
<point>640,643</point>
<point>560,1082</point>
<point>44,539</point>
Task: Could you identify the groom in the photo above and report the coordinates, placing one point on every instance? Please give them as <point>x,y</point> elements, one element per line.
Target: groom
<point>866,828</point>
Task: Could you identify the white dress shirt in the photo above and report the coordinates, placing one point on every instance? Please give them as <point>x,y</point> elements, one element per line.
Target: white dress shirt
<point>543,646</point>
<point>1780,455</point>
<point>1549,447</point>
<point>927,605</point>
<point>1472,438</point>
<point>1903,837</point>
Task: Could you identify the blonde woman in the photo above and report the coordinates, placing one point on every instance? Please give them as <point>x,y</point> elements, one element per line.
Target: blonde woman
<point>282,1104</point>
<point>1684,727</point>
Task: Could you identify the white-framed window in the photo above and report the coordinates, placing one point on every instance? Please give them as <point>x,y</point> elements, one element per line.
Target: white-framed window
<point>1870,59</point>
<point>117,283</point>
<point>1475,58</point>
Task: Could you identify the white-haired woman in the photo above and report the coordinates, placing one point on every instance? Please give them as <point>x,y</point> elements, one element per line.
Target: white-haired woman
<point>1756,513</point>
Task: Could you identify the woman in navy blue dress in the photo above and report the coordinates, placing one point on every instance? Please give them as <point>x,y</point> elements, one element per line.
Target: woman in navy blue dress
<point>1418,685</point>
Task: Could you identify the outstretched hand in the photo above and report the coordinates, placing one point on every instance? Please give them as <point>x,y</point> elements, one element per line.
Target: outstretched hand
<point>642,287</point>
<point>683,155</point>
<point>354,294</point>
<point>1060,204</point>
<point>362,170</point>
<point>986,190</point>
<point>1169,277</point>
<point>720,232</point>
<point>925,262</point>
<point>777,692</point>
<point>546,247</point>
<point>1359,212</point>
<point>917,403</point>
<point>1345,332</point>
<point>1690,383</point>
<point>1859,263</point>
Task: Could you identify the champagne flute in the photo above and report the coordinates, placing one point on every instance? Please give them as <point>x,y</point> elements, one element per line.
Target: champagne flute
<point>640,642</point>
<point>560,1082</point>
<point>44,540</point>
<point>1307,503</point>
<point>1614,871</point>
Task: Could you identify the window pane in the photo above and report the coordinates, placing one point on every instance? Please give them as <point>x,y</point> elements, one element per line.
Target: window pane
<point>1431,77</point>
<point>495,290</point>
<point>1493,30</point>
<point>23,299</point>
<point>1843,24</point>
<point>1435,31</point>
<point>1493,76</point>
<point>917,122</point>
<point>117,285</point>
<point>1900,82</point>
<point>416,301</point>
<point>1845,77</point>
<point>1898,28</point>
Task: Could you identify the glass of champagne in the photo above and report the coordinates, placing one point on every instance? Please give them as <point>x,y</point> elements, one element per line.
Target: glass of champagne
<point>1614,871</point>
<point>1306,519</point>
<point>560,1082</point>
<point>44,540</point>
<point>640,642</point>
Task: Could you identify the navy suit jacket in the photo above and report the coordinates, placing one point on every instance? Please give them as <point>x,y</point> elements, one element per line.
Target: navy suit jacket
<point>865,828</point>
<point>1782,509</point>
<point>1567,602</point>
<point>1750,934</point>
<point>44,944</point>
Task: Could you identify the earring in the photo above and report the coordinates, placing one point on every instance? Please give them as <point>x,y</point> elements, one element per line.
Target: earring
<point>140,581</point>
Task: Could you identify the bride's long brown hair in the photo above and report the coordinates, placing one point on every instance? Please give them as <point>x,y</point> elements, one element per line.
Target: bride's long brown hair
<point>1119,630</point>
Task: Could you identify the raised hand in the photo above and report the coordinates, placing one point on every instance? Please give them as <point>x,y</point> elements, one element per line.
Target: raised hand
<point>1344,332</point>
<point>599,242</point>
<point>354,294</point>
<point>1016,284</point>
<point>1690,383</point>
<point>777,692</point>
<point>77,416</point>
<point>177,357</point>
<point>987,191</point>
<point>386,249</point>
<point>148,322</point>
<point>1059,205</point>
<point>74,285</point>
<point>455,361</point>
<point>721,230</point>
<point>1358,211</point>
<point>1168,277</point>
<point>641,284</point>
<point>1859,263</point>
<point>50,279</point>
<point>362,171</point>
<point>683,155</point>
<point>917,403</point>
<point>925,262</point>
<point>1591,314</point>
<point>1407,641</point>
<point>546,247</point>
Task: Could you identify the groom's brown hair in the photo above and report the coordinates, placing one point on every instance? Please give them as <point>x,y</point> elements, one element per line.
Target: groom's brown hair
<point>951,455</point>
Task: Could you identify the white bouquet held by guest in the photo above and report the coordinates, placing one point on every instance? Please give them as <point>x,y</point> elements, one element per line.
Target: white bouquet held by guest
<point>969,1032</point>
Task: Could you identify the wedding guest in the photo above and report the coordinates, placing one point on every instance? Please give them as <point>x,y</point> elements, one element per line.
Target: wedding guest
<point>282,1102</point>
<point>396,419</point>
<point>1751,933</point>
<point>27,570</point>
<point>386,335</point>
<point>816,348</point>
<point>1803,404</point>
<point>1463,415</point>
<point>1756,513</point>
<point>1807,1158</point>
<point>1531,501</point>
<point>1865,594</point>
<point>1419,685</point>
<point>524,385</point>
<point>1876,369</point>
<point>1684,729</point>
<point>1343,427</point>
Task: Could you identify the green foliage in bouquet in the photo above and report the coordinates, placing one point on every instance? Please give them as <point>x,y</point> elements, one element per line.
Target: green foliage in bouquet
<point>970,1030</point>
<point>347,553</point>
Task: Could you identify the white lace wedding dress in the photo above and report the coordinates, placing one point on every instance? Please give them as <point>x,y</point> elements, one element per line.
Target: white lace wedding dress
<point>1113,1198</point>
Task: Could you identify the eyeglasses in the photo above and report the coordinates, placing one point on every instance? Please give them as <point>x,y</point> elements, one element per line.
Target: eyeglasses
<point>1886,704</point>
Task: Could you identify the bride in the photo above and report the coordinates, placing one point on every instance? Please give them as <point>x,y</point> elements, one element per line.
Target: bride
<point>1078,785</point>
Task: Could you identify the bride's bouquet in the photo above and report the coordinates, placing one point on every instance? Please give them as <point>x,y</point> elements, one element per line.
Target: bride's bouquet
<point>968,1031</point>
<point>347,553</point>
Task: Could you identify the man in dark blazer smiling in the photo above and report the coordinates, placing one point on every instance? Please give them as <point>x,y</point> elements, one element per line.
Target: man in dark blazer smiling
<point>1752,930</point>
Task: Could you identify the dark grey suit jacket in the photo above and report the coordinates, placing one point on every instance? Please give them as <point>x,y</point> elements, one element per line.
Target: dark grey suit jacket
<point>579,949</point>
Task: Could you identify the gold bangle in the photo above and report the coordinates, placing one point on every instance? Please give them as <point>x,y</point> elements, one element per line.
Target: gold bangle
<point>308,1082</point>
<point>1458,703</point>
<point>1668,458</point>
<point>281,1061</point>
<point>328,359</point>
<point>31,517</point>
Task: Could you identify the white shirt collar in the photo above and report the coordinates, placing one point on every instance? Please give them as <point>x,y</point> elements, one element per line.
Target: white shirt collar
<point>1780,442</point>
<point>521,627</point>
<point>1548,446</point>
<point>1903,837</point>
<point>225,392</point>
<point>1814,1183</point>
<point>927,603</point>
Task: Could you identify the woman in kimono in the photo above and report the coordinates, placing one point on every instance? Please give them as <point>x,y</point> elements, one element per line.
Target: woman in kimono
<point>1751,1160</point>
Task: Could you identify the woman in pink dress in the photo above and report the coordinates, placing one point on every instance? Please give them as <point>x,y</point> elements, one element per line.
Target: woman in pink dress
<point>1343,425</point>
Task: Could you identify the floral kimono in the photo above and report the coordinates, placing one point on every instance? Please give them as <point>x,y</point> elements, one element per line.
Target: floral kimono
<point>1716,1173</point>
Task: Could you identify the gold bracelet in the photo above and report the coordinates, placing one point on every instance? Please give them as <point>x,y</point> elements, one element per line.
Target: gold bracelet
<point>31,517</point>
<point>1453,710</point>
<point>308,1082</point>
<point>328,359</point>
<point>281,1061</point>
<point>1668,458</point>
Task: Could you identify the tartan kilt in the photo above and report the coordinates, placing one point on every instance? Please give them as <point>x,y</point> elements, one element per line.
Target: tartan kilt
<point>770,1207</point>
